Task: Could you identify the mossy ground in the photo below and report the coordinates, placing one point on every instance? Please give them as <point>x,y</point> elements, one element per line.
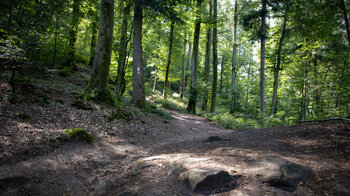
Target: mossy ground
<point>77,134</point>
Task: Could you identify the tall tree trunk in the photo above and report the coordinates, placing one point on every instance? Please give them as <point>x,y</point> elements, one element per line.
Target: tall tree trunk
<point>171,39</point>
<point>93,41</point>
<point>215,57</point>
<point>345,15</point>
<point>234,59</point>
<point>207,61</point>
<point>317,88</point>
<point>138,95</point>
<point>191,107</point>
<point>73,34</point>
<point>102,60</point>
<point>262,59</point>
<point>278,66</point>
<point>221,74</point>
<point>55,42</point>
<point>189,61</point>
<point>122,47</point>
<point>247,93</point>
<point>182,90</point>
<point>303,109</point>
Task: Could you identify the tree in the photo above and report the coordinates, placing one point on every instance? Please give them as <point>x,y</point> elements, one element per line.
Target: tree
<point>191,107</point>
<point>171,39</point>
<point>207,59</point>
<point>262,58</point>
<point>100,68</point>
<point>73,33</point>
<point>278,65</point>
<point>138,95</point>
<point>122,47</point>
<point>215,56</point>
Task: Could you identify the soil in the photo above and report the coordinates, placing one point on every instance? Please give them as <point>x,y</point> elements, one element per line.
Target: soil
<point>145,154</point>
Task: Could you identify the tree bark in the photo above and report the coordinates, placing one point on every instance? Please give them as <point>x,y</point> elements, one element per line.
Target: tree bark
<point>247,93</point>
<point>345,15</point>
<point>317,88</point>
<point>207,61</point>
<point>278,66</point>
<point>73,34</point>
<point>171,39</point>
<point>221,74</point>
<point>191,107</point>
<point>234,59</point>
<point>215,57</point>
<point>182,90</point>
<point>100,68</point>
<point>138,95</point>
<point>93,42</point>
<point>303,109</point>
<point>55,42</point>
<point>189,61</point>
<point>122,47</point>
<point>262,59</point>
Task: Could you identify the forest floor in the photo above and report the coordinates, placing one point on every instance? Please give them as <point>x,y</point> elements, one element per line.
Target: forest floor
<point>144,154</point>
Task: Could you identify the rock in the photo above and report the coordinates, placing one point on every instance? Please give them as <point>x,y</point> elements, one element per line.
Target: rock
<point>215,138</point>
<point>174,168</point>
<point>204,180</point>
<point>282,174</point>
<point>107,187</point>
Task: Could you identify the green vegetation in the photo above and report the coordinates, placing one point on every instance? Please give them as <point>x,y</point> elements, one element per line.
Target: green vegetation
<point>120,114</point>
<point>77,134</point>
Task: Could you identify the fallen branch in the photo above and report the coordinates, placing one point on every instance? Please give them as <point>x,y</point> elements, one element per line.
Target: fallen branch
<point>324,120</point>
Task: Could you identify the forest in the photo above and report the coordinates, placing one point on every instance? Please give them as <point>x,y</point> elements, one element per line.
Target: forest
<point>271,62</point>
<point>130,69</point>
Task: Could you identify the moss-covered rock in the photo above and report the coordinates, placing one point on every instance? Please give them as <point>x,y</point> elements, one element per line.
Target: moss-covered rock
<point>77,134</point>
<point>80,105</point>
<point>120,114</point>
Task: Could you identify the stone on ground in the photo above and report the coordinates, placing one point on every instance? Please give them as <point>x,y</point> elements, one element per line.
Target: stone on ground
<point>282,174</point>
<point>205,180</point>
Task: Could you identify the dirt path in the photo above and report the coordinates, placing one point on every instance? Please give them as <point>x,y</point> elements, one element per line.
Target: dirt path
<point>150,162</point>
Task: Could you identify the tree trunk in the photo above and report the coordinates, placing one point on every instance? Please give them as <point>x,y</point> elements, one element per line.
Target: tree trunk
<point>168,63</point>
<point>73,34</point>
<point>221,74</point>
<point>215,57</point>
<point>207,61</point>
<point>247,95</point>
<point>138,95</point>
<point>191,107</point>
<point>55,44</point>
<point>122,47</point>
<point>303,109</point>
<point>262,59</point>
<point>182,90</point>
<point>93,42</point>
<point>317,88</point>
<point>278,66</point>
<point>234,59</point>
<point>345,15</point>
<point>100,68</point>
<point>341,81</point>
<point>189,61</point>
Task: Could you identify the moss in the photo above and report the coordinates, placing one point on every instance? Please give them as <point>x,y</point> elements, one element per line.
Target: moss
<point>120,114</point>
<point>14,98</point>
<point>99,95</point>
<point>23,116</point>
<point>80,105</point>
<point>79,134</point>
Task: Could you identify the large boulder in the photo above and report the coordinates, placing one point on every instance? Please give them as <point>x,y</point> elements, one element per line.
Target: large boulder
<point>282,174</point>
<point>205,180</point>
